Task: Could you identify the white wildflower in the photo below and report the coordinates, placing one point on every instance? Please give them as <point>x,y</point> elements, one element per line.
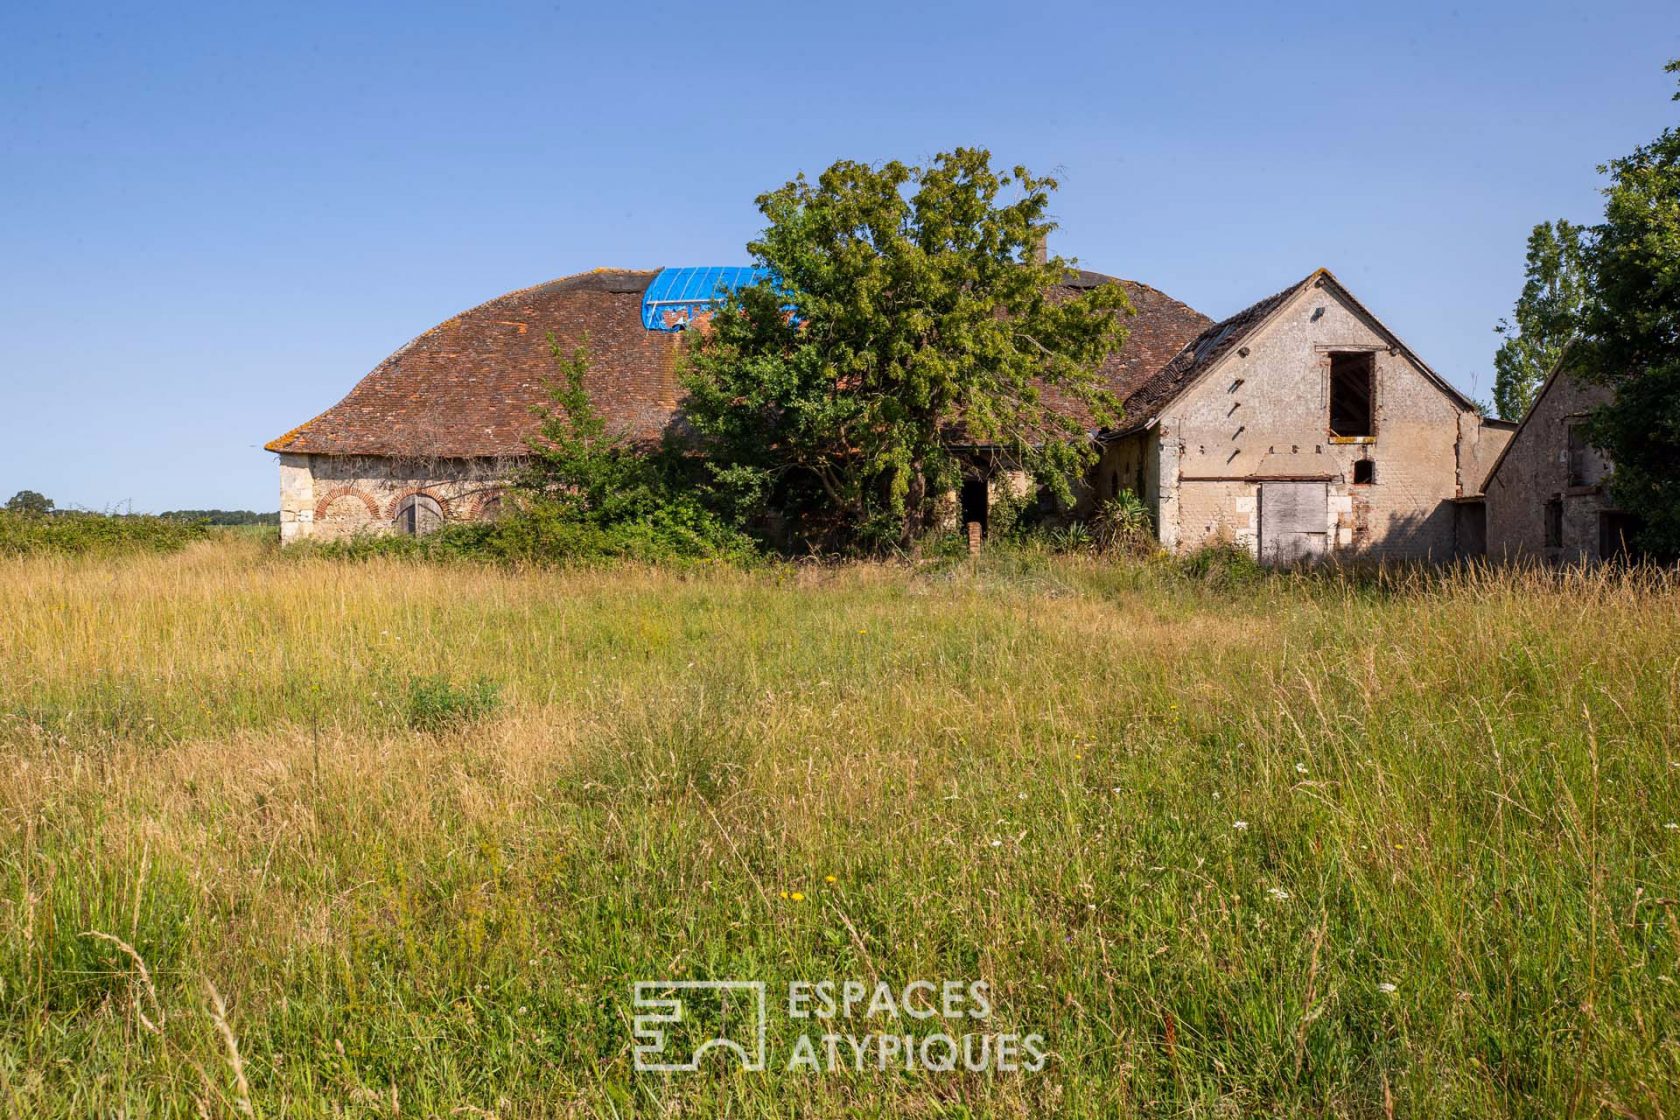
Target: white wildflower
<point>1278,894</point>
<point>1300,768</point>
<point>1387,988</point>
<point>1672,826</point>
<point>1240,826</point>
<point>997,843</point>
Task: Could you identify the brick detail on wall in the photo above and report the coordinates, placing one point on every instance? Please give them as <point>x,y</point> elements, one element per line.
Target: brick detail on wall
<point>338,492</point>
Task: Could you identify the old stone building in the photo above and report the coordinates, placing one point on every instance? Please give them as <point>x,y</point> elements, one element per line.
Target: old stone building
<point>1547,494</point>
<point>1302,426</point>
<point>1297,427</point>
<point>432,433</point>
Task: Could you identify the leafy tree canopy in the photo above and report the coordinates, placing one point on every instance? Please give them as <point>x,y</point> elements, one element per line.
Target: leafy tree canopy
<point>29,501</point>
<point>1631,330</point>
<point>1547,316</point>
<point>587,490</point>
<point>910,315</point>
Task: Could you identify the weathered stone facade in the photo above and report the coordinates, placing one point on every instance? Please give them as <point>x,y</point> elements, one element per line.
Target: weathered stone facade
<point>1257,413</point>
<point>330,497</point>
<point>1547,496</point>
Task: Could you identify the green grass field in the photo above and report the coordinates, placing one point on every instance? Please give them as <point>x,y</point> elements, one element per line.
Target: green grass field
<point>301,837</point>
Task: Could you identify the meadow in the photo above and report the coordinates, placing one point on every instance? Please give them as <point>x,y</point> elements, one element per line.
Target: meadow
<point>300,836</point>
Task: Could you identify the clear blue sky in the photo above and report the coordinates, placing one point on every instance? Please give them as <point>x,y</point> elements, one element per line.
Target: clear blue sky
<point>214,219</point>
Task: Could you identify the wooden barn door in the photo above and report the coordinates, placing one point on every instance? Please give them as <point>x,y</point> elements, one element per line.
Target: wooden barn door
<point>1294,519</point>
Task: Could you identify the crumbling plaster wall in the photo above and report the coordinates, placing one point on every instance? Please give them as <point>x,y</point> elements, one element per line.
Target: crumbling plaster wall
<point>329,497</point>
<point>1263,412</point>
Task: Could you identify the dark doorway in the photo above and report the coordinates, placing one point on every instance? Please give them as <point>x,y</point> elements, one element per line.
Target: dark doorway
<point>975,502</point>
<point>1615,536</point>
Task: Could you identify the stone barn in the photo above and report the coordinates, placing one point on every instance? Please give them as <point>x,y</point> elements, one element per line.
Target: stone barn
<point>1298,427</point>
<point>433,432</point>
<point>1548,493</point>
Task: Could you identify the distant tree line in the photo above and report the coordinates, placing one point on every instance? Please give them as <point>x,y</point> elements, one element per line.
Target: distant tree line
<point>34,503</point>
<point>223,516</point>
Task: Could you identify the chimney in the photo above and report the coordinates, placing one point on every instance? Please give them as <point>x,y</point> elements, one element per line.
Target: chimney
<point>1041,248</point>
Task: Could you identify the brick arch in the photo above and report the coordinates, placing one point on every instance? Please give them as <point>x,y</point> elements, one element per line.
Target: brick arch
<point>338,492</point>
<point>494,494</point>
<point>396,502</point>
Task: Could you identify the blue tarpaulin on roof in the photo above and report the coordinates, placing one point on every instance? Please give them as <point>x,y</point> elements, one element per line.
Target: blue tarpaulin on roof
<point>678,294</point>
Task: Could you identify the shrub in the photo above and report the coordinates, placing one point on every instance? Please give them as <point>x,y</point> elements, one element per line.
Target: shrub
<point>1123,524</point>
<point>1222,564</point>
<point>79,533</point>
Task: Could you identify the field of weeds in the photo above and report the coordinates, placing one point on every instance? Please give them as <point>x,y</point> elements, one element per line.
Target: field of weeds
<point>297,837</point>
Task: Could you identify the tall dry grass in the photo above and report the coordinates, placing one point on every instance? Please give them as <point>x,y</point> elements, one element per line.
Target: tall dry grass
<point>1342,845</point>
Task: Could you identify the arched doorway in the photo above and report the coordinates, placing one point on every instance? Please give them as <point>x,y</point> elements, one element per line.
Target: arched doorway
<point>418,514</point>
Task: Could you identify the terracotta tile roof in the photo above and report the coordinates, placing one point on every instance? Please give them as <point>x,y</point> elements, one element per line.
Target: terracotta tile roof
<point>466,388</point>
<point>1159,329</point>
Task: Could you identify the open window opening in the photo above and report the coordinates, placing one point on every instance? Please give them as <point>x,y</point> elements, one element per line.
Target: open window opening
<point>1364,472</point>
<point>1351,377</point>
<point>1578,454</point>
<point>1554,523</point>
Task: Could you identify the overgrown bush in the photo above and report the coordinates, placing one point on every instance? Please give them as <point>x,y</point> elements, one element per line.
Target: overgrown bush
<point>78,533</point>
<point>1124,524</point>
<point>1222,564</point>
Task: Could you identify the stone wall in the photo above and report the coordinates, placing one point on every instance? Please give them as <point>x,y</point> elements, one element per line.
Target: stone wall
<point>1536,470</point>
<point>330,497</point>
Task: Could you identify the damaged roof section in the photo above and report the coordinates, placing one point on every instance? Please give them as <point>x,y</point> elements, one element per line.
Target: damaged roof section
<point>1145,402</point>
<point>678,296</point>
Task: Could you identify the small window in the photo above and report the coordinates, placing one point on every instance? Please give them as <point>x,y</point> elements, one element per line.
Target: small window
<point>1350,394</point>
<point>1554,523</point>
<point>1364,472</point>
<point>418,515</point>
<point>1578,455</point>
<point>490,509</point>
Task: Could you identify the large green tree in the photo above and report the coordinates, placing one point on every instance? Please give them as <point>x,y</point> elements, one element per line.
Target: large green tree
<point>1546,317</point>
<point>911,315</point>
<point>1631,332</point>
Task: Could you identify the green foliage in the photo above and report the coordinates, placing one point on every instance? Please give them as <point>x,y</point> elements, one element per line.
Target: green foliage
<point>29,501</point>
<point>1632,341</point>
<point>590,492</point>
<point>908,313</point>
<point>1124,524</point>
<point>223,516</point>
<point>74,533</point>
<point>586,494</point>
<point>1547,316</point>
<point>1222,565</point>
<point>436,703</point>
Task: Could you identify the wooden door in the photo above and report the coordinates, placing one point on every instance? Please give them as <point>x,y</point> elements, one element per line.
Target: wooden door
<point>1294,522</point>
